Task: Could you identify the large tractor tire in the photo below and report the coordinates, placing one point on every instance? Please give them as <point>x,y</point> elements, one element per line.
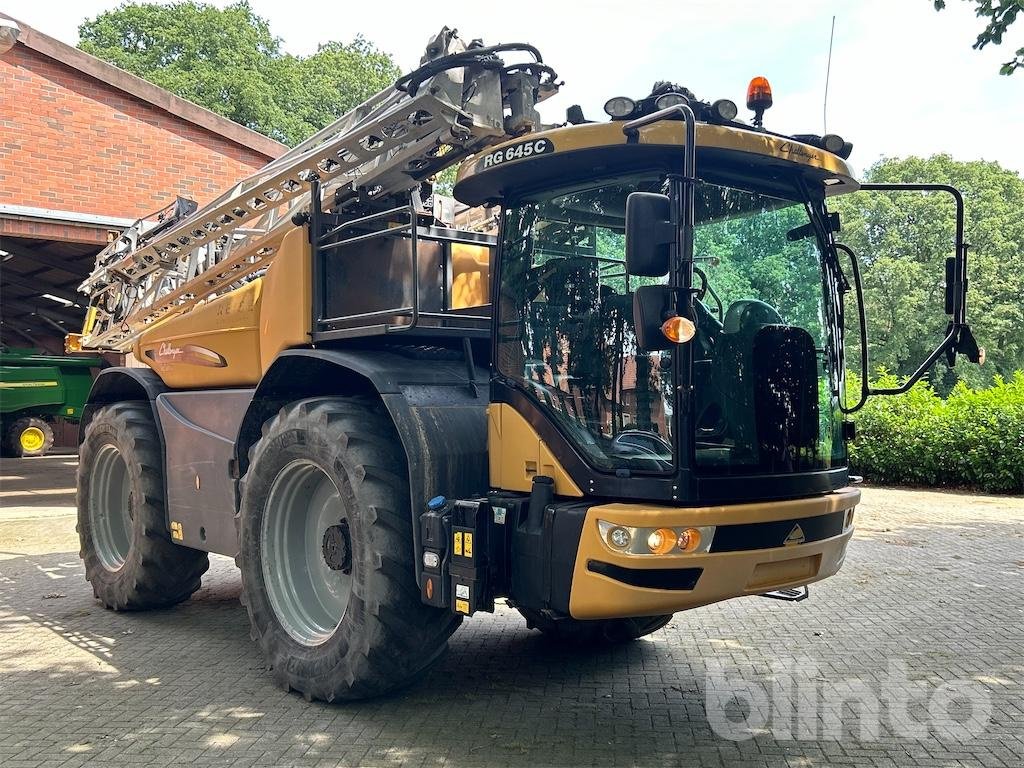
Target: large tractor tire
<point>122,526</point>
<point>326,554</point>
<point>590,633</point>
<point>28,436</point>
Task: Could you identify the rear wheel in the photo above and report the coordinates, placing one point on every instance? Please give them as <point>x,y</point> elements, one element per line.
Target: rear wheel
<point>29,436</point>
<point>596,632</point>
<point>326,554</point>
<point>122,526</point>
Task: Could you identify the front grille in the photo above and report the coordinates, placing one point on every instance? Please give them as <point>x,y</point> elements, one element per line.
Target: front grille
<point>749,536</point>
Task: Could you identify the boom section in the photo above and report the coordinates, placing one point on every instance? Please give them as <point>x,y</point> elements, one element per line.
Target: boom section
<point>462,98</point>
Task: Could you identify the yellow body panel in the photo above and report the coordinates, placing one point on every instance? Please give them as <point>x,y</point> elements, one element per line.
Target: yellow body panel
<point>516,454</point>
<point>286,314</point>
<point>725,574</point>
<point>215,345</point>
<point>231,340</point>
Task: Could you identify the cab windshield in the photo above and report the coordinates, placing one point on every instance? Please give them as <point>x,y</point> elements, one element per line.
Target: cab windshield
<point>765,372</point>
<point>566,334</point>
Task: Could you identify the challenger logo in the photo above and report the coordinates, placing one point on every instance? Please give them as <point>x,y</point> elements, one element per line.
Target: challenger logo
<point>189,354</point>
<point>796,536</point>
<point>795,150</point>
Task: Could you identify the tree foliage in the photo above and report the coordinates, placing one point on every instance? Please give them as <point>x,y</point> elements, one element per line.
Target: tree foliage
<point>229,61</point>
<point>999,15</point>
<point>903,240</point>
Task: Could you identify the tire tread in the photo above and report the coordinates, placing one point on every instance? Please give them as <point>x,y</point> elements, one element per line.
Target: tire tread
<point>398,638</point>
<point>157,573</point>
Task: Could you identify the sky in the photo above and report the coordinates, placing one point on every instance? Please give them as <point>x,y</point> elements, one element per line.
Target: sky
<point>904,78</point>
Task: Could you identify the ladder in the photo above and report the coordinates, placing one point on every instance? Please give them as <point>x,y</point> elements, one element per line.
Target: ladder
<point>460,100</point>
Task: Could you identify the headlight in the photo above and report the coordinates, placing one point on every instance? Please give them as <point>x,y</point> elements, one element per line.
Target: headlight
<point>618,537</point>
<point>619,106</point>
<point>663,540</point>
<point>667,100</point>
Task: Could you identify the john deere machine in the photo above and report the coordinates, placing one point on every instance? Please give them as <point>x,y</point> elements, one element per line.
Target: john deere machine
<point>626,403</point>
<point>37,390</point>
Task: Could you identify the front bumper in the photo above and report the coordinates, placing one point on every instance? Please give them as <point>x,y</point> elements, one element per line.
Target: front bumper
<point>611,584</point>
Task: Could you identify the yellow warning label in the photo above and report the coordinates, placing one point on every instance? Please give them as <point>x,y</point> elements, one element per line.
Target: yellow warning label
<point>468,549</point>
<point>458,542</point>
<point>462,606</point>
<point>176,532</point>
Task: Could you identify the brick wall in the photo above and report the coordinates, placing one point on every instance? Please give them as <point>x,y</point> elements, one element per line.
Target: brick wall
<point>73,143</point>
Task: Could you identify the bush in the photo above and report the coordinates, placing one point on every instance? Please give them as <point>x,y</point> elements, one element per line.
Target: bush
<point>973,438</point>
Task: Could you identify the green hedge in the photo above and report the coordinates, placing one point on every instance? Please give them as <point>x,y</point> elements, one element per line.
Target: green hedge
<point>973,438</point>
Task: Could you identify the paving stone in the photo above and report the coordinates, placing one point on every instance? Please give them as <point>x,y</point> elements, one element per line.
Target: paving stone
<point>932,594</point>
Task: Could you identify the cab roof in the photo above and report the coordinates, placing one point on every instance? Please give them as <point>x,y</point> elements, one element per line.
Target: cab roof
<point>538,162</point>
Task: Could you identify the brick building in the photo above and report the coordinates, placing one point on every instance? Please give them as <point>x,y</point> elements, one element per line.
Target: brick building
<point>85,149</point>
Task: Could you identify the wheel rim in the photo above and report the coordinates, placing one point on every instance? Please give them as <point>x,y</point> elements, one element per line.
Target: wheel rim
<point>307,580</point>
<point>32,439</point>
<point>110,507</point>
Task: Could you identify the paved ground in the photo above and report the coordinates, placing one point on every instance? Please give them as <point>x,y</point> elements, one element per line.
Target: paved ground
<point>930,603</point>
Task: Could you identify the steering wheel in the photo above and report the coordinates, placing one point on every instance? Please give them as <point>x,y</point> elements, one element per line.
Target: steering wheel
<point>642,444</point>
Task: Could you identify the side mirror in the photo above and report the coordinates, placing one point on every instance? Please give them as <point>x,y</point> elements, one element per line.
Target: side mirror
<point>652,305</point>
<point>650,234</point>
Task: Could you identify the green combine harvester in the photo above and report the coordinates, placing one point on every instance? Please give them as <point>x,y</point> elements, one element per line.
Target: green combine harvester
<point>35,391</point>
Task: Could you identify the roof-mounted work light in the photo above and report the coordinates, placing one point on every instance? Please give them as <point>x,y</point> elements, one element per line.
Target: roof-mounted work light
<point>670,99</point>
<point>724,110</point>
<point>619,107</point>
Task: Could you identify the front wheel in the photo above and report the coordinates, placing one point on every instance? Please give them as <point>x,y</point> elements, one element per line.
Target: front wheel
<point>326,554</point>
<point>595,632</point>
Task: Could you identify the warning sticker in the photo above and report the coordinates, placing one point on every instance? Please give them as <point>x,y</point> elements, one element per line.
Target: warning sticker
<point>462,606</point>
<point>458,543</point>
<point>469,544</point>
<point>462,591</point>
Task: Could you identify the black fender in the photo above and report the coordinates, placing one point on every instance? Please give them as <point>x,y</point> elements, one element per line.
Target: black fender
<point>438,407</point>
<point>116,385</point>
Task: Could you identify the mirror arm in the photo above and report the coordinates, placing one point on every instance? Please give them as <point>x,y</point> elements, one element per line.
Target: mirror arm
<point>948,343</point>
<point>683,213</point>
<point>958,334</point>
<point>959,291</point>
<point>865,390</point>
<point>632,131</point>
<point>686,210</point>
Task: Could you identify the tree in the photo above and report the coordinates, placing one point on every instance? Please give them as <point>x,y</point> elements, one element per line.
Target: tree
<point>229,61</point>
<point>902,240</point>
<point>1000,14</point>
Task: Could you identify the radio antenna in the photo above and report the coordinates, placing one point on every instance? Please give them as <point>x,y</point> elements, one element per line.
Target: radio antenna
<point>828,72</point>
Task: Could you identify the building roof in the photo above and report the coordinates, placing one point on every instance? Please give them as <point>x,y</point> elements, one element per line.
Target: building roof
<point>145,90</point>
